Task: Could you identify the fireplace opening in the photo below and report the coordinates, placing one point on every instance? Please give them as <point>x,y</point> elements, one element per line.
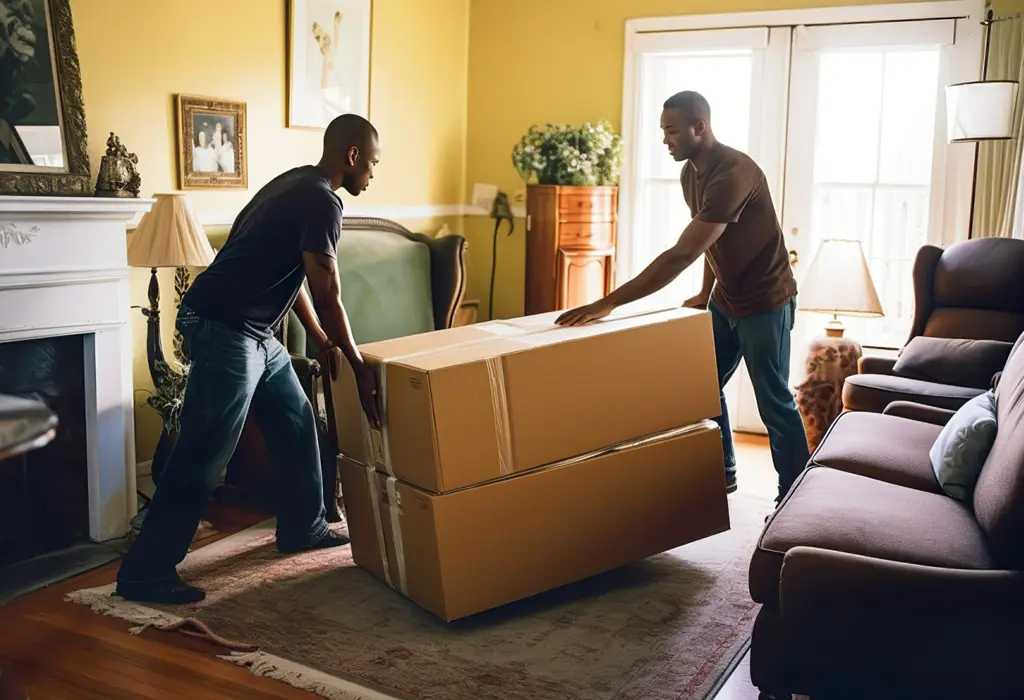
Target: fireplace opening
<point>44,495</point>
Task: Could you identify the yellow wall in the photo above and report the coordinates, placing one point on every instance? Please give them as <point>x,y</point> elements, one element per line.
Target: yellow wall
<point>539,61</point>
<point>137,54</point>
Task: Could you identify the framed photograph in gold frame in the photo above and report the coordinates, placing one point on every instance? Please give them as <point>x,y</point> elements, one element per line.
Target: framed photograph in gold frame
<point>43,144</point>
<point>211,143</point>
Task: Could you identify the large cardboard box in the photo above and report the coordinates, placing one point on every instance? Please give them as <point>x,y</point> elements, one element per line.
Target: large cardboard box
<point>461,553</point>
<point>476,403</point>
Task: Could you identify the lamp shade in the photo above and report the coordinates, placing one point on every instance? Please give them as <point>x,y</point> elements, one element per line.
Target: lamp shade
<point>170,235</point>
<point>839,282</point>
<point>980,111</point>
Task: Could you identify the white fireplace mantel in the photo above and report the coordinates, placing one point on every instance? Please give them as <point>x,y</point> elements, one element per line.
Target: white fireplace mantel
<point>64,271</point>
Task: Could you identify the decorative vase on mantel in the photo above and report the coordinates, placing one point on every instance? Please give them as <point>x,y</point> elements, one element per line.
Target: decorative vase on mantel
<point>572,213</point>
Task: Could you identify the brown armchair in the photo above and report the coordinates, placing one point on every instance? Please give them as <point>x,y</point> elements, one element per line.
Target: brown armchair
<point>973,290</point>
<point>394,283</point>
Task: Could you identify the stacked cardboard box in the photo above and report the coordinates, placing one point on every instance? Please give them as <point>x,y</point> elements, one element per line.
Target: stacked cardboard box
<point>517,456</point>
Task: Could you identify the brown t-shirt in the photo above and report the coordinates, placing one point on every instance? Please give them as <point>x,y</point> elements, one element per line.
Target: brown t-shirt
<point>749,259</point>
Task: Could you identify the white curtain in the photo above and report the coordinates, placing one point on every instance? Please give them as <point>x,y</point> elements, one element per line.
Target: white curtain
<point>997,201</point>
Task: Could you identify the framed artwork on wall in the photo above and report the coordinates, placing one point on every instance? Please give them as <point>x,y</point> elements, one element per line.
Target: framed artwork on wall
<point>328,60</point>
<point>211,143</point>
<point>43,144</point>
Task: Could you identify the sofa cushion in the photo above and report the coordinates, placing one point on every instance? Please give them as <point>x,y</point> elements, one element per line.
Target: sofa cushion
<point>873,392</point>
<point>883,447</point>
<point>962,447</point>
<point>999,493</point>
<point>844,512</point>
<point>956,361</point>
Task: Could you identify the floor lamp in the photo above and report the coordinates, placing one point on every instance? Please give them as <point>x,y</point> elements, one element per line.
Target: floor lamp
<point>980,110</point>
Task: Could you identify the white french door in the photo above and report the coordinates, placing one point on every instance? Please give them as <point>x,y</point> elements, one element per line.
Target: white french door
<point>738,71</point>
<point>865,147</point>
<point>846,122</point>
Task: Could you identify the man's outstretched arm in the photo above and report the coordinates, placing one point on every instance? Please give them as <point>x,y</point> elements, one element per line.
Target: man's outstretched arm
<point>325,288</point>
<point>697,237</point>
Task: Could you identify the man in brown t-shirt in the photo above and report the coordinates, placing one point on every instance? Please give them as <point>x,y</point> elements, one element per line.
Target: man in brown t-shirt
<point>749,287</point>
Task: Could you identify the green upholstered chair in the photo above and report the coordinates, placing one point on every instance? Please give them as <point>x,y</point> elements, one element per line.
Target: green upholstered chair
<point>394,283</point>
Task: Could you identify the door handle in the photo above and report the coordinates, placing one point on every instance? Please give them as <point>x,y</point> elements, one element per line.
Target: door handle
<point>794,258</point>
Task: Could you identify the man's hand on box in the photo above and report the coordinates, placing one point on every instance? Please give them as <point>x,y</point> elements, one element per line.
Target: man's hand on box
<point>586,314</point>
<point>699,301</point>
<point>366,382</point>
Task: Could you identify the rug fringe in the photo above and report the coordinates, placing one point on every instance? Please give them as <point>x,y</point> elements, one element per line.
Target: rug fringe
<point>100,601</point>
<point>257,663</point>
<point>298,676</point>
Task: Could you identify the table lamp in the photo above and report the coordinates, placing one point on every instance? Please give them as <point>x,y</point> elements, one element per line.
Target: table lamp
<point>169,235</point>
<point>838,282</point>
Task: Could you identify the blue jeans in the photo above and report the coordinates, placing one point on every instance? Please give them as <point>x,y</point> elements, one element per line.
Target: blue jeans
<point>229,372</point>
<point>763,343</point>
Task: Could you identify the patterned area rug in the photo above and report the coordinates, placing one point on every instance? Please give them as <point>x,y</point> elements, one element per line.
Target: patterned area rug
<point>668,628</point>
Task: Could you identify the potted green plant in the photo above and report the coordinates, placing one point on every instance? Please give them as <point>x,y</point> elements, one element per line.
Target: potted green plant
<point>579,156</point>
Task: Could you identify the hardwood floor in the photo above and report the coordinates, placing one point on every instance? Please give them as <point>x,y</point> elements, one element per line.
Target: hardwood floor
<point>52,650</point>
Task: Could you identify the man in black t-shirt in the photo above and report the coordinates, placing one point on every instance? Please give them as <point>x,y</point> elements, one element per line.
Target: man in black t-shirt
<point>287,234</point>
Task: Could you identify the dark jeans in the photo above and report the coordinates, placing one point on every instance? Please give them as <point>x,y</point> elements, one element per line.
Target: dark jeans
<point>230,371</point>
<point>763,343</point>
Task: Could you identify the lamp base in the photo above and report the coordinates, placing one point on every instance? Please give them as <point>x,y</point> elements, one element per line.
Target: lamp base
<point>834,328</point>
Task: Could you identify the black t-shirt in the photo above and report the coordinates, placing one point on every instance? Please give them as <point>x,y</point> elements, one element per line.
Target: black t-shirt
<point>253,281</point>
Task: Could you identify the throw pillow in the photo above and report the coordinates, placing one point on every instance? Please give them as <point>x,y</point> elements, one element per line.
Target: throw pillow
<point>960,451</point>
<point>957,361</point>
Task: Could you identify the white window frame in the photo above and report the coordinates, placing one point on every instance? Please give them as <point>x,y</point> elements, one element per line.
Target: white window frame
<point>953,169</point>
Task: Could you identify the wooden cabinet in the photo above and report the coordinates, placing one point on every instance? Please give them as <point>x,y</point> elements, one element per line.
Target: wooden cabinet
<point>570,245</point>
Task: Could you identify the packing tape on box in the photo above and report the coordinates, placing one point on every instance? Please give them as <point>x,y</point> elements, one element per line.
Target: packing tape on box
<point>394,512</point>
<point>371,481</point>
<point>394,504</point>
<point>499,405</point>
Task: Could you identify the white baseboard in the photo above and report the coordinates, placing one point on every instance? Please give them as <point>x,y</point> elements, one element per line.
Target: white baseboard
<point>144,469</point>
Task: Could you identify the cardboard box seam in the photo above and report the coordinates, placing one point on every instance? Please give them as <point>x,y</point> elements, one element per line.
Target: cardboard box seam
<point>703,425</point>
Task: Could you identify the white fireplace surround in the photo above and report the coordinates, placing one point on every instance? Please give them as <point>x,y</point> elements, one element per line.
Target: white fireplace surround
<point>64,271</point>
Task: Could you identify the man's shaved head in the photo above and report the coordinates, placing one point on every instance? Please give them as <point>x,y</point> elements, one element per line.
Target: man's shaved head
<point>686,123</point>
<point>351,149</point>
<point>691,104</point>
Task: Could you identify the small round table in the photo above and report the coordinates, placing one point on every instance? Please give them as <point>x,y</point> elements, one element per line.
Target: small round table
<point>819,397</point>
<point>25,425</point>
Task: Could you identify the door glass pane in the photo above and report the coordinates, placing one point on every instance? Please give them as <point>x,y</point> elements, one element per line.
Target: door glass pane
<point>660,215</point>
<point>908,117</point>
<point>849,106</point>
<point>872,170</point>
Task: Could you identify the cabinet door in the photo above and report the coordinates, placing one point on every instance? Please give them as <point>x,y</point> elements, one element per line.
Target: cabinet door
<point>584,276</point>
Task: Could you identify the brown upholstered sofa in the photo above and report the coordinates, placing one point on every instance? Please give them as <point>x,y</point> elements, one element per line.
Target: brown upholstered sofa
<point>971,290</point>
<point>874,583</point>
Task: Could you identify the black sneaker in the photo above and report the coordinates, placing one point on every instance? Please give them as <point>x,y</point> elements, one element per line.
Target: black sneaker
<point>329,540</point>
<point>730,484</point>
<point>169,591</point>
